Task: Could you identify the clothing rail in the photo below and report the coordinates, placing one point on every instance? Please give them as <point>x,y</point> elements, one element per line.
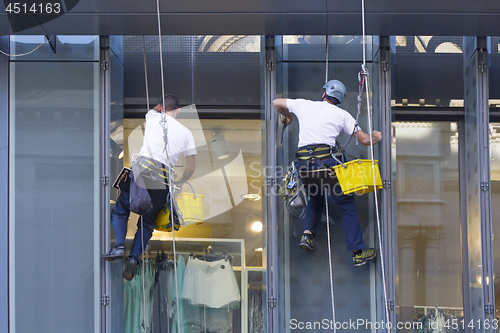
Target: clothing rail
<point>437,308</point>
<point>234,247</point>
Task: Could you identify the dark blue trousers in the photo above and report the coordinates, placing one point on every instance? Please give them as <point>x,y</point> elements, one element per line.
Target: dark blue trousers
<point>119,220</point>
<point>346,203</point>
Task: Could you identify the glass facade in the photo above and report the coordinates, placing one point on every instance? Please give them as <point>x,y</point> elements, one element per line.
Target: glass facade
<point>228,178</point>
<point>304,276</point>
<point>76,118</point>
<point>54,264</point>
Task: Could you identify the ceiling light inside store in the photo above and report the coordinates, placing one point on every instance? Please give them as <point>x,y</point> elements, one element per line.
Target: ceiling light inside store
<point>250,197</point>
<point>121,155</point>
<point>218,145</point>
<point>257,226</point>
<point>258,249</point>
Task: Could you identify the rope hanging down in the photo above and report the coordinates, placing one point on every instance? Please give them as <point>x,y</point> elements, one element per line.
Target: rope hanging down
<point>170,197</point>
<point>365,73</point>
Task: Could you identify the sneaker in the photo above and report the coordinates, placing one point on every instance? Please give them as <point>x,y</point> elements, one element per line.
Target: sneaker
<point>363,257</point>
<point>117,252</point>
<point>306,242</point>
<point>130,266</point>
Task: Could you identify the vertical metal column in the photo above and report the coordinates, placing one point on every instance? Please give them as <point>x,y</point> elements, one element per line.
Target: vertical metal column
<point>272,222</point>
<point>4,184</point>
<point>478,270</point>
<point>388,223</point>
<point>104,170</point>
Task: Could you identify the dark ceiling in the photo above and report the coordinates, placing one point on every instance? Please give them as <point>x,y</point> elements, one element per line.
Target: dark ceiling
<point>268,17</point>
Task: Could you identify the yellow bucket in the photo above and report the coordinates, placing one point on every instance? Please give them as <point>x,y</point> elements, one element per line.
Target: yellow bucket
<point>163,220</point>
<point>190,207</point>
<point>357,177</point>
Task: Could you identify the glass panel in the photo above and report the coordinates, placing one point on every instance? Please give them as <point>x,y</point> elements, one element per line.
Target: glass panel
<point>304,279</point>
<point>68,48</point>
<point>54,204</point>
<point>229,180</point>
<point>116,164</point>
<point>427,207</point>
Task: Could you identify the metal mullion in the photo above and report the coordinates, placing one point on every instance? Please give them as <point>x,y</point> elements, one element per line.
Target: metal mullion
<point>104,172</point>
<point>272,221</point>
<point>487,230</point>
<point>386,207</point>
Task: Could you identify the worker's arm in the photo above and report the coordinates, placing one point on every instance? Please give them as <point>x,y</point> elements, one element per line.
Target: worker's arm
<point>280,107</point>
<point>189,170</point>
<point>364,138</point>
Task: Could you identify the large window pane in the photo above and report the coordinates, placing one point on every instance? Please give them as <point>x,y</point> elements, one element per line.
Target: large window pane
<point>426,200</point>
<point>304,277</point>
<point>53,229</point>
<point>224,73</point>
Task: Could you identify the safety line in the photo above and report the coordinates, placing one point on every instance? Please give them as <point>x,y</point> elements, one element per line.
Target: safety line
<point>330,260</point>
<point>142,221</point>
<point>24,54</point>
<point>165,138</point>
<point>143,275</point>
<point>145,72</point>
<point>382,261</point>
<point>367,87</point>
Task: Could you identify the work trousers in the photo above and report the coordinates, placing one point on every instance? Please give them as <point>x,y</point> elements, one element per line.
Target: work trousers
<point>346,203</point>
<point>121,213</point>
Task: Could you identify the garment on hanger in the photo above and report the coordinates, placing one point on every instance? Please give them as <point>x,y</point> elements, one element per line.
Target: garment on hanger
<point>212,284</point>
<point>139,296</point>
<point>174,291</point>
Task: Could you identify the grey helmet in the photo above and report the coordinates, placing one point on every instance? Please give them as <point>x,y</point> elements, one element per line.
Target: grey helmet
<point>335,89</point>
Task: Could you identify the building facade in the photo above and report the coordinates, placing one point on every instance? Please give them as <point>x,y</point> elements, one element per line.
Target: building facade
<point>72,114</point>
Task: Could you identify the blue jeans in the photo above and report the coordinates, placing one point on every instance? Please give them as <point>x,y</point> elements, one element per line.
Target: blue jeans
<point>119,220</point>
<point>346,204</point>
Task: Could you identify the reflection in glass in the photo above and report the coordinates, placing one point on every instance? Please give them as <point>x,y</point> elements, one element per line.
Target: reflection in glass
<point>54,205</point>
<point>426,199</point>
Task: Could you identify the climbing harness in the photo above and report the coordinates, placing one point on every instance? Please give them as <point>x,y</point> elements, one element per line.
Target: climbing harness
<point>293,192</point>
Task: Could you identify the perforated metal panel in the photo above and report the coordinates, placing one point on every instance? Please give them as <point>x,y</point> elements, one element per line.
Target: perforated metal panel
<point>427,72</point>
<point>205,70</point>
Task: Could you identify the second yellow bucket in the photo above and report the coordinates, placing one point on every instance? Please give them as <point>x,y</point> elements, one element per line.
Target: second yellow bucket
<point>357,177</point>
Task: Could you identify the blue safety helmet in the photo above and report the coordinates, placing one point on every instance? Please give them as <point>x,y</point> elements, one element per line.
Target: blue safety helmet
<point>335,89</point>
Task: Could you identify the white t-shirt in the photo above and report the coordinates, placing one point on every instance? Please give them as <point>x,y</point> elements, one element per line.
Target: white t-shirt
<point>180,139</point>
<point>320,122</point>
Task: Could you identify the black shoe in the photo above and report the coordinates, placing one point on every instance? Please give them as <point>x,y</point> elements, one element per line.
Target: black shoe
<point>363,257</point>
<point>129,270</point>
<point>306,242</point>
<point>117,252</point>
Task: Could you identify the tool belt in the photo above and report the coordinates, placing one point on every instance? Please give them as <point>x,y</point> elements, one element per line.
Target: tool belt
<point>316,154</point>
<point>153,169</point>
<point>320,151</point>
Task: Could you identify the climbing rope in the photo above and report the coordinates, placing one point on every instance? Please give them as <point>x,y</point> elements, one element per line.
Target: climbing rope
<point>164,124</point>
<point>330,260</point>
<point>365,73</point>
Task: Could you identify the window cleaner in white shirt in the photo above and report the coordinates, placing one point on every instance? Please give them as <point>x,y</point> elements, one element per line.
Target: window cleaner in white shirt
<point>156,162</point>
<point>320,123</point>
